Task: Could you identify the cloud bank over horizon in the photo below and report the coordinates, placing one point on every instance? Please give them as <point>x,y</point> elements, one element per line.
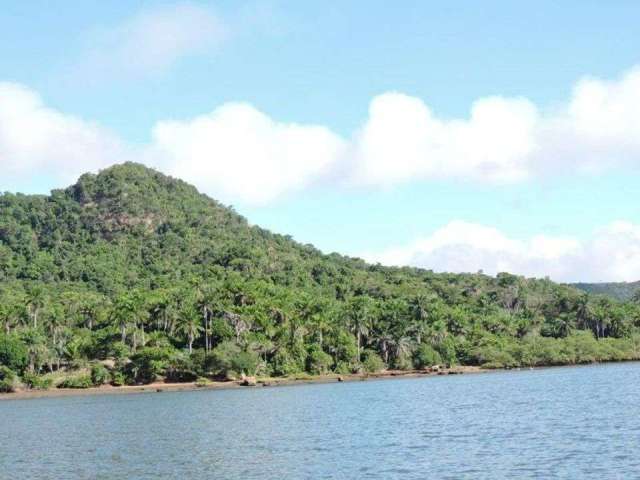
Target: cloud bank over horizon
<point>612,253</point>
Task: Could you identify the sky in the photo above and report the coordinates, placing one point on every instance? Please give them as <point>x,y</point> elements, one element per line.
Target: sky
<point>454,136</point>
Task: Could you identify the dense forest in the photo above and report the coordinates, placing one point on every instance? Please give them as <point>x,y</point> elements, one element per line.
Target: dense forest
<point>623,291</point>
<point>130,276</point>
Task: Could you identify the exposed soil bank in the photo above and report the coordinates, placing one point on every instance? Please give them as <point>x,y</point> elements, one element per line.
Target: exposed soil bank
<point>259,382</point>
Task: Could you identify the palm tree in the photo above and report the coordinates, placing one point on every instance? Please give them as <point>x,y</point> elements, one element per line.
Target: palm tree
<point>359,317</point>
<point>35,300</point>
<point>189,325</point>
<point>127,311</point>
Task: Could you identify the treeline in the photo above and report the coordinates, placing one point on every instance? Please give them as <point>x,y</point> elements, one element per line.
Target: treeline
<point>130,276</point>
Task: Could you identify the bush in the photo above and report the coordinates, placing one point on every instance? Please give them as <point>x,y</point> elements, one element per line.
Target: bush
<point>426,356</point>
<point>343,368</point>
<point>372,362</point>
<point>100,375</point>
<point>285,364</point>
<point>36,382</point>
<point>13,352</point>
<point>8,380</point>
<point>80,381</point>
<point>118,379</point>
<point>119,351</point>
<point>150,363</point>
<point>229,360</point>
<point>202,382</point>
<point>318,361</point>
<point>182,369</point>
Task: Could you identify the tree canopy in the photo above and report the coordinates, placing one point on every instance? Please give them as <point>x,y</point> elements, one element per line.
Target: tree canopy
<point>139,269</point>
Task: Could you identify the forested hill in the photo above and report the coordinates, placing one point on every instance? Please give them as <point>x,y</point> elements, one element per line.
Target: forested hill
<point>623,291</point>
<point>130,275</point>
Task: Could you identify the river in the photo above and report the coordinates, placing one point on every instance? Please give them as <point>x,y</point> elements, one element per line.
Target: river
<point>570,422</point>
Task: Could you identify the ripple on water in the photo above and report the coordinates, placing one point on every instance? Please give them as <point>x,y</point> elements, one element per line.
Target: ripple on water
<point>580,422</point>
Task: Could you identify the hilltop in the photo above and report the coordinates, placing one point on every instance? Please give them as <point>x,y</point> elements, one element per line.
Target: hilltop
<point>130,276</point>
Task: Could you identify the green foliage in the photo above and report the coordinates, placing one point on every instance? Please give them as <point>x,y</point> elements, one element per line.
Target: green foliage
<point>118,379</point>
<point>229,360</point>
<point>100,375</point>
<point>8,380</point>
<point>372,362</point>
<point>13,352</point>
<point>426,356</point>
<point>78,381</point>
<point>37,382</point>
<point>135,268</point>
<point>150,364</point>
<point>318,361</point>
<point>622,291</point>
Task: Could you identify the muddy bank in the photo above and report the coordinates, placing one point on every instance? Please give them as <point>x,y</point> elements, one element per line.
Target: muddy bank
<point>251,383</point>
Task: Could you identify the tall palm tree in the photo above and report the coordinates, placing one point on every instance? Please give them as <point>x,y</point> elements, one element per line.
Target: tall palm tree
<point>360,314</point>
<point>35,301</point>
<point>189,325</point>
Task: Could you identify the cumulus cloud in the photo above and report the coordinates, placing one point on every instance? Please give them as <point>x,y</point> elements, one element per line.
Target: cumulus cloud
<point>402,139</point>
<point>612,253</point>
<point>151,41</point>
<point>503,139</point>
<point>239,152</point>
<point>35,139</point>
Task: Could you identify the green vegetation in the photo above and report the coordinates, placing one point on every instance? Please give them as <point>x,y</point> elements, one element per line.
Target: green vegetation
<point>623,291</point>
<point>130,277</point>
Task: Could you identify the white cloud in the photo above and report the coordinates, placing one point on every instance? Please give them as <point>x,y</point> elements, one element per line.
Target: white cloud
<point>402,139</point>
<point>504,139</point>
<point>151,41</point>
<point>610,254</point>
<point>38,140</point>
<point>239,152</point>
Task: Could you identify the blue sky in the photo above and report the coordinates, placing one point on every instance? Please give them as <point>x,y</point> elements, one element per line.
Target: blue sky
<point>283,109</point>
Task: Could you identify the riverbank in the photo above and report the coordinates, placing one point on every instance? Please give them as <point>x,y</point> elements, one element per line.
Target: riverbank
<point>259,382</point>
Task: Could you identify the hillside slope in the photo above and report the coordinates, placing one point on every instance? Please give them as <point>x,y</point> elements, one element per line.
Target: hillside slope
<point>139,268</point>
<point>623,291</point>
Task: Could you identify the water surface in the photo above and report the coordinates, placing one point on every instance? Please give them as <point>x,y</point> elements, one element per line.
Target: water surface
<point>577,422</point>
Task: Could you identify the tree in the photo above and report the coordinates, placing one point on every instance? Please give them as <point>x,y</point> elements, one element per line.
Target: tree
<point>360,314</point>
<point>189,325</point>
<point>36,300</point>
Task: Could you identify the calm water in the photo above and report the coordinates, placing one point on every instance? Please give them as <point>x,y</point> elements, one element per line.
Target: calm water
<point>581,422</point>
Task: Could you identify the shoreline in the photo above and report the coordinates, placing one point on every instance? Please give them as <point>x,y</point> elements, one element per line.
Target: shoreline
<point>269,382</point>
<point>161,387</point>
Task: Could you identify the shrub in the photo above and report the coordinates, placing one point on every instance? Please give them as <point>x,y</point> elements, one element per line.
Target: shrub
<point>8,380</point>
<point>182,369</point>
<point>285,364</point>
<point>150,363</point>
<point>318,361</point>
<point>119,350</point>
<point>372,362</point>
<point>13,352</point>
<point>344,368</point>
<point>80,381</point>
<point>228,359</point>
<point>202,382</point>
<point>99,374</point>
<point>426,356</point>
<point>118,379</point>
<point>447,350</point>
<point>36,382</point>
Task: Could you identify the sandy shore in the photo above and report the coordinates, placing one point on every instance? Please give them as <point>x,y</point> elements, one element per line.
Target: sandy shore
<point>260,382</point>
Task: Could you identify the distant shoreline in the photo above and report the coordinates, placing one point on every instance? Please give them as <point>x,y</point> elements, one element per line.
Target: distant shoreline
<point>159,387</point>
<point>267,382</point>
